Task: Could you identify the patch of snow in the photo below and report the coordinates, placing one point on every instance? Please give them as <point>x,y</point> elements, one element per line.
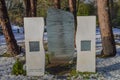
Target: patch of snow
<point>15,29</point>
<point>108,69</point>
<point>116,31</point>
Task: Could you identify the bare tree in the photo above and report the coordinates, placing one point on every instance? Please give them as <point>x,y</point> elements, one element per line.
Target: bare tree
<point>33,4</point>
<point>30,8</point>
<point>72,8</point>
<point>112,11</point>
<point>108,41</point>
<point>57,4</point>
<point>13,48</point>
<point>27,8</point>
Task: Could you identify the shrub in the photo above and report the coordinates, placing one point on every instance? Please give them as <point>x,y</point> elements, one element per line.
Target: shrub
<point>47,56</point>
<point>18,68</point>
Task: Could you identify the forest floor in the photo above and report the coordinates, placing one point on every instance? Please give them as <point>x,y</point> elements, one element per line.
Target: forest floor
<point>106,68</point>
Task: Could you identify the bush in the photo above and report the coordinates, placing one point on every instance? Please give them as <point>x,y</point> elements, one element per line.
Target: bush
<point>86,9</point>
<point>18,68</point>
<point>84,75</point>
<point>47,56</point>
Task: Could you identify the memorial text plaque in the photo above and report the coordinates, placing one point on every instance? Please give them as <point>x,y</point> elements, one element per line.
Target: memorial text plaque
<point>34,46</point>
<point>85,45</point>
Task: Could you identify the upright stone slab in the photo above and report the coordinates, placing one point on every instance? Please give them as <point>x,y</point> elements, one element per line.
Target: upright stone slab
<point>60,28</point>
<point>85,43</point>
<point>35,55</point>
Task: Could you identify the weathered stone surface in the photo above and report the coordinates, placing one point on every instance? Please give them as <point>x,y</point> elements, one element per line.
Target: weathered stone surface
<point>35,55</point>
<point>85,43</point>
<point>60,28</point>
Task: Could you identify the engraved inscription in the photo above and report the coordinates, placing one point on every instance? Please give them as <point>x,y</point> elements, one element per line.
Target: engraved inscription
<point>86,45</point>
<point>34,46</point>
<point>60,28</point>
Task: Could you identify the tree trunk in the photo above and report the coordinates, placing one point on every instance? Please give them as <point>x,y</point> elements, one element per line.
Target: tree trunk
<point>27,8</point>
<point>72,8</point>
<point>111,6</point>
<point>11,43</point>
<point>112,11</point>
<point>33,4</point>
<point>30,8</point>
<point>108,42</point>
<point>57,4</point>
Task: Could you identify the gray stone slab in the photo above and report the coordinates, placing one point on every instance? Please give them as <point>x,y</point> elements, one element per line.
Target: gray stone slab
<point>60,28</point>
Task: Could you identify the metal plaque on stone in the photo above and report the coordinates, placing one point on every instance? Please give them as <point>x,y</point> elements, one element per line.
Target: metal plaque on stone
<point>60,28</point>
<point>85,45</point>
<point>34,46</point>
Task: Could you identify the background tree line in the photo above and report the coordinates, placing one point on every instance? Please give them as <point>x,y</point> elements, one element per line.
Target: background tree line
<point>16,9</point>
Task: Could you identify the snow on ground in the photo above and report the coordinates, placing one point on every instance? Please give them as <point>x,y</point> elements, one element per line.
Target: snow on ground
<point>108,68</point>
<point>18,36</point>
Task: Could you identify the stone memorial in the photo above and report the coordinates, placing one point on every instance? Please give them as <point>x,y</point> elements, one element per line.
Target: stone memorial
<point>60,28</point>
<point>85,43</point>
<point>35,55</point>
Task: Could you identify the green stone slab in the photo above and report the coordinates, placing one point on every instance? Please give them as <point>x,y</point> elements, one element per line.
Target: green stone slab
<point>60,29</point>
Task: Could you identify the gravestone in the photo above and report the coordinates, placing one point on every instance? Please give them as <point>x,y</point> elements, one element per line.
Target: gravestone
<point>60,28</point>
<point>35,55</point>
<point>85,43</point>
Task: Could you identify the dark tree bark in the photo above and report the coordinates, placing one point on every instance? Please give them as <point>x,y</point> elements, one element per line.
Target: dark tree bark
<point>57,4</point>
<point>30,8</point>
<point>112,11</point>
<point>27,8</point>
<point>13,48</point>
<point>33,4</point>
<point>108,42</point>
<point>72,8</point>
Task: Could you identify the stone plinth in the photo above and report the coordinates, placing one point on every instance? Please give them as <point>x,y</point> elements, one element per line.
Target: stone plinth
<point>35,55</point>
<point>85,43</point>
